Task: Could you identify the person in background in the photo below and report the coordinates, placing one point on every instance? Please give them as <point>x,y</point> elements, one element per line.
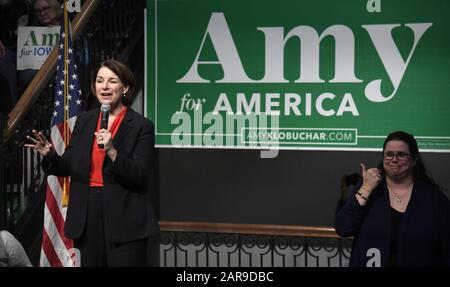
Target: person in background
<point>397,214</point>
<point>44,13</point>
<point>111,214</point>
<point>12,253</point>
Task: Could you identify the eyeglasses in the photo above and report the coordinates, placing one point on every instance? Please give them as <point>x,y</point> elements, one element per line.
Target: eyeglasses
<point>400,155</point>
<point>43,10</point>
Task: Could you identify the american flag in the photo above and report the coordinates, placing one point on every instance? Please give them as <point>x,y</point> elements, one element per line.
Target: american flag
<point>57,250</point>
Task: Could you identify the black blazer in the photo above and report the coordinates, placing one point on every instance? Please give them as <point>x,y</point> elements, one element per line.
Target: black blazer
<point>129,181</point>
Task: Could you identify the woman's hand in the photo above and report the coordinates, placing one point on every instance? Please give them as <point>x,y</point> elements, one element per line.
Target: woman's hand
<point>371,177</point>
<point>40,144</point>
<point>105,138</point>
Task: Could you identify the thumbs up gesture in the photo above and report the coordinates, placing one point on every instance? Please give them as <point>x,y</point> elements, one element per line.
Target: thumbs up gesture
<point>371,177</point>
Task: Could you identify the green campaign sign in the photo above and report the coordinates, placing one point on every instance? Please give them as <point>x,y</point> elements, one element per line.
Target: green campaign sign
<point>298,74</point>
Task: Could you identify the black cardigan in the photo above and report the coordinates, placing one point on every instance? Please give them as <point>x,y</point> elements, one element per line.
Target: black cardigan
<point>424,231</point>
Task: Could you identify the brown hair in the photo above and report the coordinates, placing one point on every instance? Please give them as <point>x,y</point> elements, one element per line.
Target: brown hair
<point>420,172</point>
<point>125,75</point>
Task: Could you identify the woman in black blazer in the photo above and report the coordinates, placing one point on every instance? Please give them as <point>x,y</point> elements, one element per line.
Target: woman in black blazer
<point>111,213</point>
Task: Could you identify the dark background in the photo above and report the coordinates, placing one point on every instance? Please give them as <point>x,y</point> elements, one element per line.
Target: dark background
<point>237,186</point>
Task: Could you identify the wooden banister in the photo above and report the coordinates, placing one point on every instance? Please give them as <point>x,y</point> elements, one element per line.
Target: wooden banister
<point>258,229</point>
<point>20,110</point>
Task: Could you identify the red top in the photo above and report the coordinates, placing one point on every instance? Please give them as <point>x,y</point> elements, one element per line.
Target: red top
<point>98,154</point>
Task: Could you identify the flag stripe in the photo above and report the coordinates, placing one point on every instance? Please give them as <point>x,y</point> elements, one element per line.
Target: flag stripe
<point>56,182</point>
<point>44,261</point>
<point>57,217</point>
<point>57,140</point>
<point>54,238</point>
<point>49,251</point>
<point>57,242</point>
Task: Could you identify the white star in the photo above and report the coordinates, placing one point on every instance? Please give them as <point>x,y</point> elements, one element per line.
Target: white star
<point>75,66</point>
<point>60,93</point>
<point>59,57</point>
<point>79,92</point>
<point>70,50</point>
<point>61,46</point>
<point>71,87</point>
<point>68,61</point>
<point>78,102</point>
<point>57,103</point>
<point>69,97</point>
<point>55,114</point>
<point>74,76</point>
<point>61,82</point>
<point>63,35</point>
<point>64,72</point>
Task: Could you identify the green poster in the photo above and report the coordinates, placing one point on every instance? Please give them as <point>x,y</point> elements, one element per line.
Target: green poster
<point>297,74</point>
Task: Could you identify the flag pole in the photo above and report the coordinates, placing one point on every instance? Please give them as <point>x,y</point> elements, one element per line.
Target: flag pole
<point>65,195</point>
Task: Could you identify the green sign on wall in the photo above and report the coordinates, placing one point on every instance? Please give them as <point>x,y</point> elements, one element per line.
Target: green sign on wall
<point>298,74</point>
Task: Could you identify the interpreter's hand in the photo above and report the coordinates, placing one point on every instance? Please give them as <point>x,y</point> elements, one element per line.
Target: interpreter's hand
<point>104,137</point>
<point>40,144</point>
<point>2,49</point>
<point>371,177</point>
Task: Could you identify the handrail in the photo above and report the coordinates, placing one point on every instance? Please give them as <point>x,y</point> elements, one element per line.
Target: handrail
<point>259,229</point>
<point>20,110</point>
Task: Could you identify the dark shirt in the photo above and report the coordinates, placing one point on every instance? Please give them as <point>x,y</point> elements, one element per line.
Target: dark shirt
<point>396,220</point>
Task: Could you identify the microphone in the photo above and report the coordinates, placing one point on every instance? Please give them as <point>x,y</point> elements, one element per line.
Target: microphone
<point>105,108</point>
